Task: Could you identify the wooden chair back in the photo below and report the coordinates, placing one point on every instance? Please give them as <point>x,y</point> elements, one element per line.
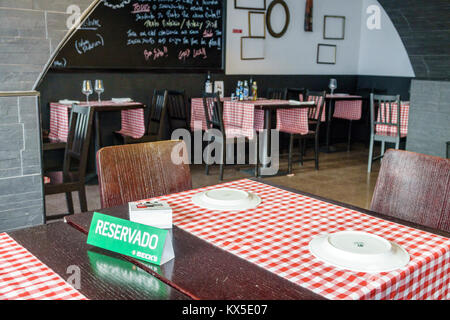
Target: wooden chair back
<point>177,110</point>
<point>298,94</point>
<point>213,111</point>
<point>278,94</point>
<point>414,187</point>
<point>157,117</point>
<point>78,140</point>
<point>315,112</point>
<point>385,104</point>
<point>140,171</point>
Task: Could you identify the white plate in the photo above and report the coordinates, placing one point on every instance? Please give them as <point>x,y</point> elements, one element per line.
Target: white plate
<point>226,199</point>
<point>359,251</point>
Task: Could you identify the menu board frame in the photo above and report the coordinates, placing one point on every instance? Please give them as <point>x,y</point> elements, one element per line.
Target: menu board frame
<point>169,69</point>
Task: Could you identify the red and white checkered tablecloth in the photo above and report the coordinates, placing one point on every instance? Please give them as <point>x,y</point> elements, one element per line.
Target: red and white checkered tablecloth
<point>24,277</point>
<point>275,236</point>
<point>348,109</point>
<point>388,130</point>
<point>132,120</point>
<point>240,118</point>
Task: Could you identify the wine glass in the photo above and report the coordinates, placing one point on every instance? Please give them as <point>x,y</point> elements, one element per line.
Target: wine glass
<point>332,85</point>
<point>99,88</point>
<point>87,89</point>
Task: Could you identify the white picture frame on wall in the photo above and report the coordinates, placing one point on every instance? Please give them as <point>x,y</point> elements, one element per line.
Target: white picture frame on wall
<point>253,48</point>
<point>334,27</point>
<point>326,53</point>
<point>256,24</point>
<point>250,4</point>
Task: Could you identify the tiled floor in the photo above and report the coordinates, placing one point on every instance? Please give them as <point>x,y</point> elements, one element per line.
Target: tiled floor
<point>342,176</point>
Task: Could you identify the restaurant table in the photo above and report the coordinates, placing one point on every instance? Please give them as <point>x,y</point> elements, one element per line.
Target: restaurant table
<point>102,276</point>
<point>133,124</point>
<point>262,253</point>
<point>329,108</point>
<point>250,116</point>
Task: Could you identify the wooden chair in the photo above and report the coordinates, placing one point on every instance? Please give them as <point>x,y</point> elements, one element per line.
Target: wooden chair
<point>214,120</point>
<point>414,187</point>
<point>177,110</point>
<point>279,94</point>
<point>314,116</point>
<point>387,103</point>
<point>295,93</point>
<point>156,121</point>
<point>76,152</point>
<point>140,171</point>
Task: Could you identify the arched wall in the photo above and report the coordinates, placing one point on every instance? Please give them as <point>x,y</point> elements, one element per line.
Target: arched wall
<point>30,32</point>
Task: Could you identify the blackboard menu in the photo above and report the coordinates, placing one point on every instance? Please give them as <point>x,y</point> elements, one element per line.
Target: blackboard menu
<point>148,34</point>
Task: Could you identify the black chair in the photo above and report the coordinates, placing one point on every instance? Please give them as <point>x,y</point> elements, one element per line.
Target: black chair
<point>279,94</point>
<point>156,121</point>
<point>177,110</point>
<point>214,120</point>
<point>76,155</point>
<point>314,116</point>
<point>387,104</point>
<point>294,93</point>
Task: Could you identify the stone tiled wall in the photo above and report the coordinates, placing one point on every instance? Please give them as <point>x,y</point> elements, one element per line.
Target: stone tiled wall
<point>30,31</point>
<point>429,121</point>
<point>21,198</point>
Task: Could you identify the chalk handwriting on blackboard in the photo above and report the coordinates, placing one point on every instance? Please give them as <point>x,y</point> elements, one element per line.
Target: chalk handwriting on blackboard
<point>116,4</point>
<point>61,63</point>
<point>83,45</point>
<point>151,34</point>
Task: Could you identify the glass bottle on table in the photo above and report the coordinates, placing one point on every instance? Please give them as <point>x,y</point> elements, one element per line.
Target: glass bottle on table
<point>254,91</point>
<point>87,89</point>
<point>246,90</point>
<point>208,84</point>
<point>99,89</point>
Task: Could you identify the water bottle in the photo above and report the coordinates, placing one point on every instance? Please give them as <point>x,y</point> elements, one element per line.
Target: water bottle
<point>246,90</point>
<point>237,90</point>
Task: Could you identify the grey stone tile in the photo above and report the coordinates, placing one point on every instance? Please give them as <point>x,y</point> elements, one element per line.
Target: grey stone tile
<point>10,159</point>
<point>21,218</point>
<point>20,185</point>
<point>12,137</point>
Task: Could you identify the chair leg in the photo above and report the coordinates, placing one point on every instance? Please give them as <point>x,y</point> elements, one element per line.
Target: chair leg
<point>397,144</point>
<point>349,135</point>
<point>301,143</point>
<point>208,159</point>
<point>257,156</point>
<point>316,152</point>
<point>291,145</point>
<point>222,164</point>
<point>83,200</point>
<point>369,166</point>
<point>383,146</point>
<point>69,201</point>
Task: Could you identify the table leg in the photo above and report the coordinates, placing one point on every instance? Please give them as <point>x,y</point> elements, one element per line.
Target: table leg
<point>327,148</point>
<point>266,139</point>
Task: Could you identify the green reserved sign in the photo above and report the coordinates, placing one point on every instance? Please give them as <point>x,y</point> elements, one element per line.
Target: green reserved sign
<point>131,239</point>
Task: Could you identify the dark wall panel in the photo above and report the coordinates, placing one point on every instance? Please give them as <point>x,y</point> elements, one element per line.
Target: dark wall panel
<point>424,27</point>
